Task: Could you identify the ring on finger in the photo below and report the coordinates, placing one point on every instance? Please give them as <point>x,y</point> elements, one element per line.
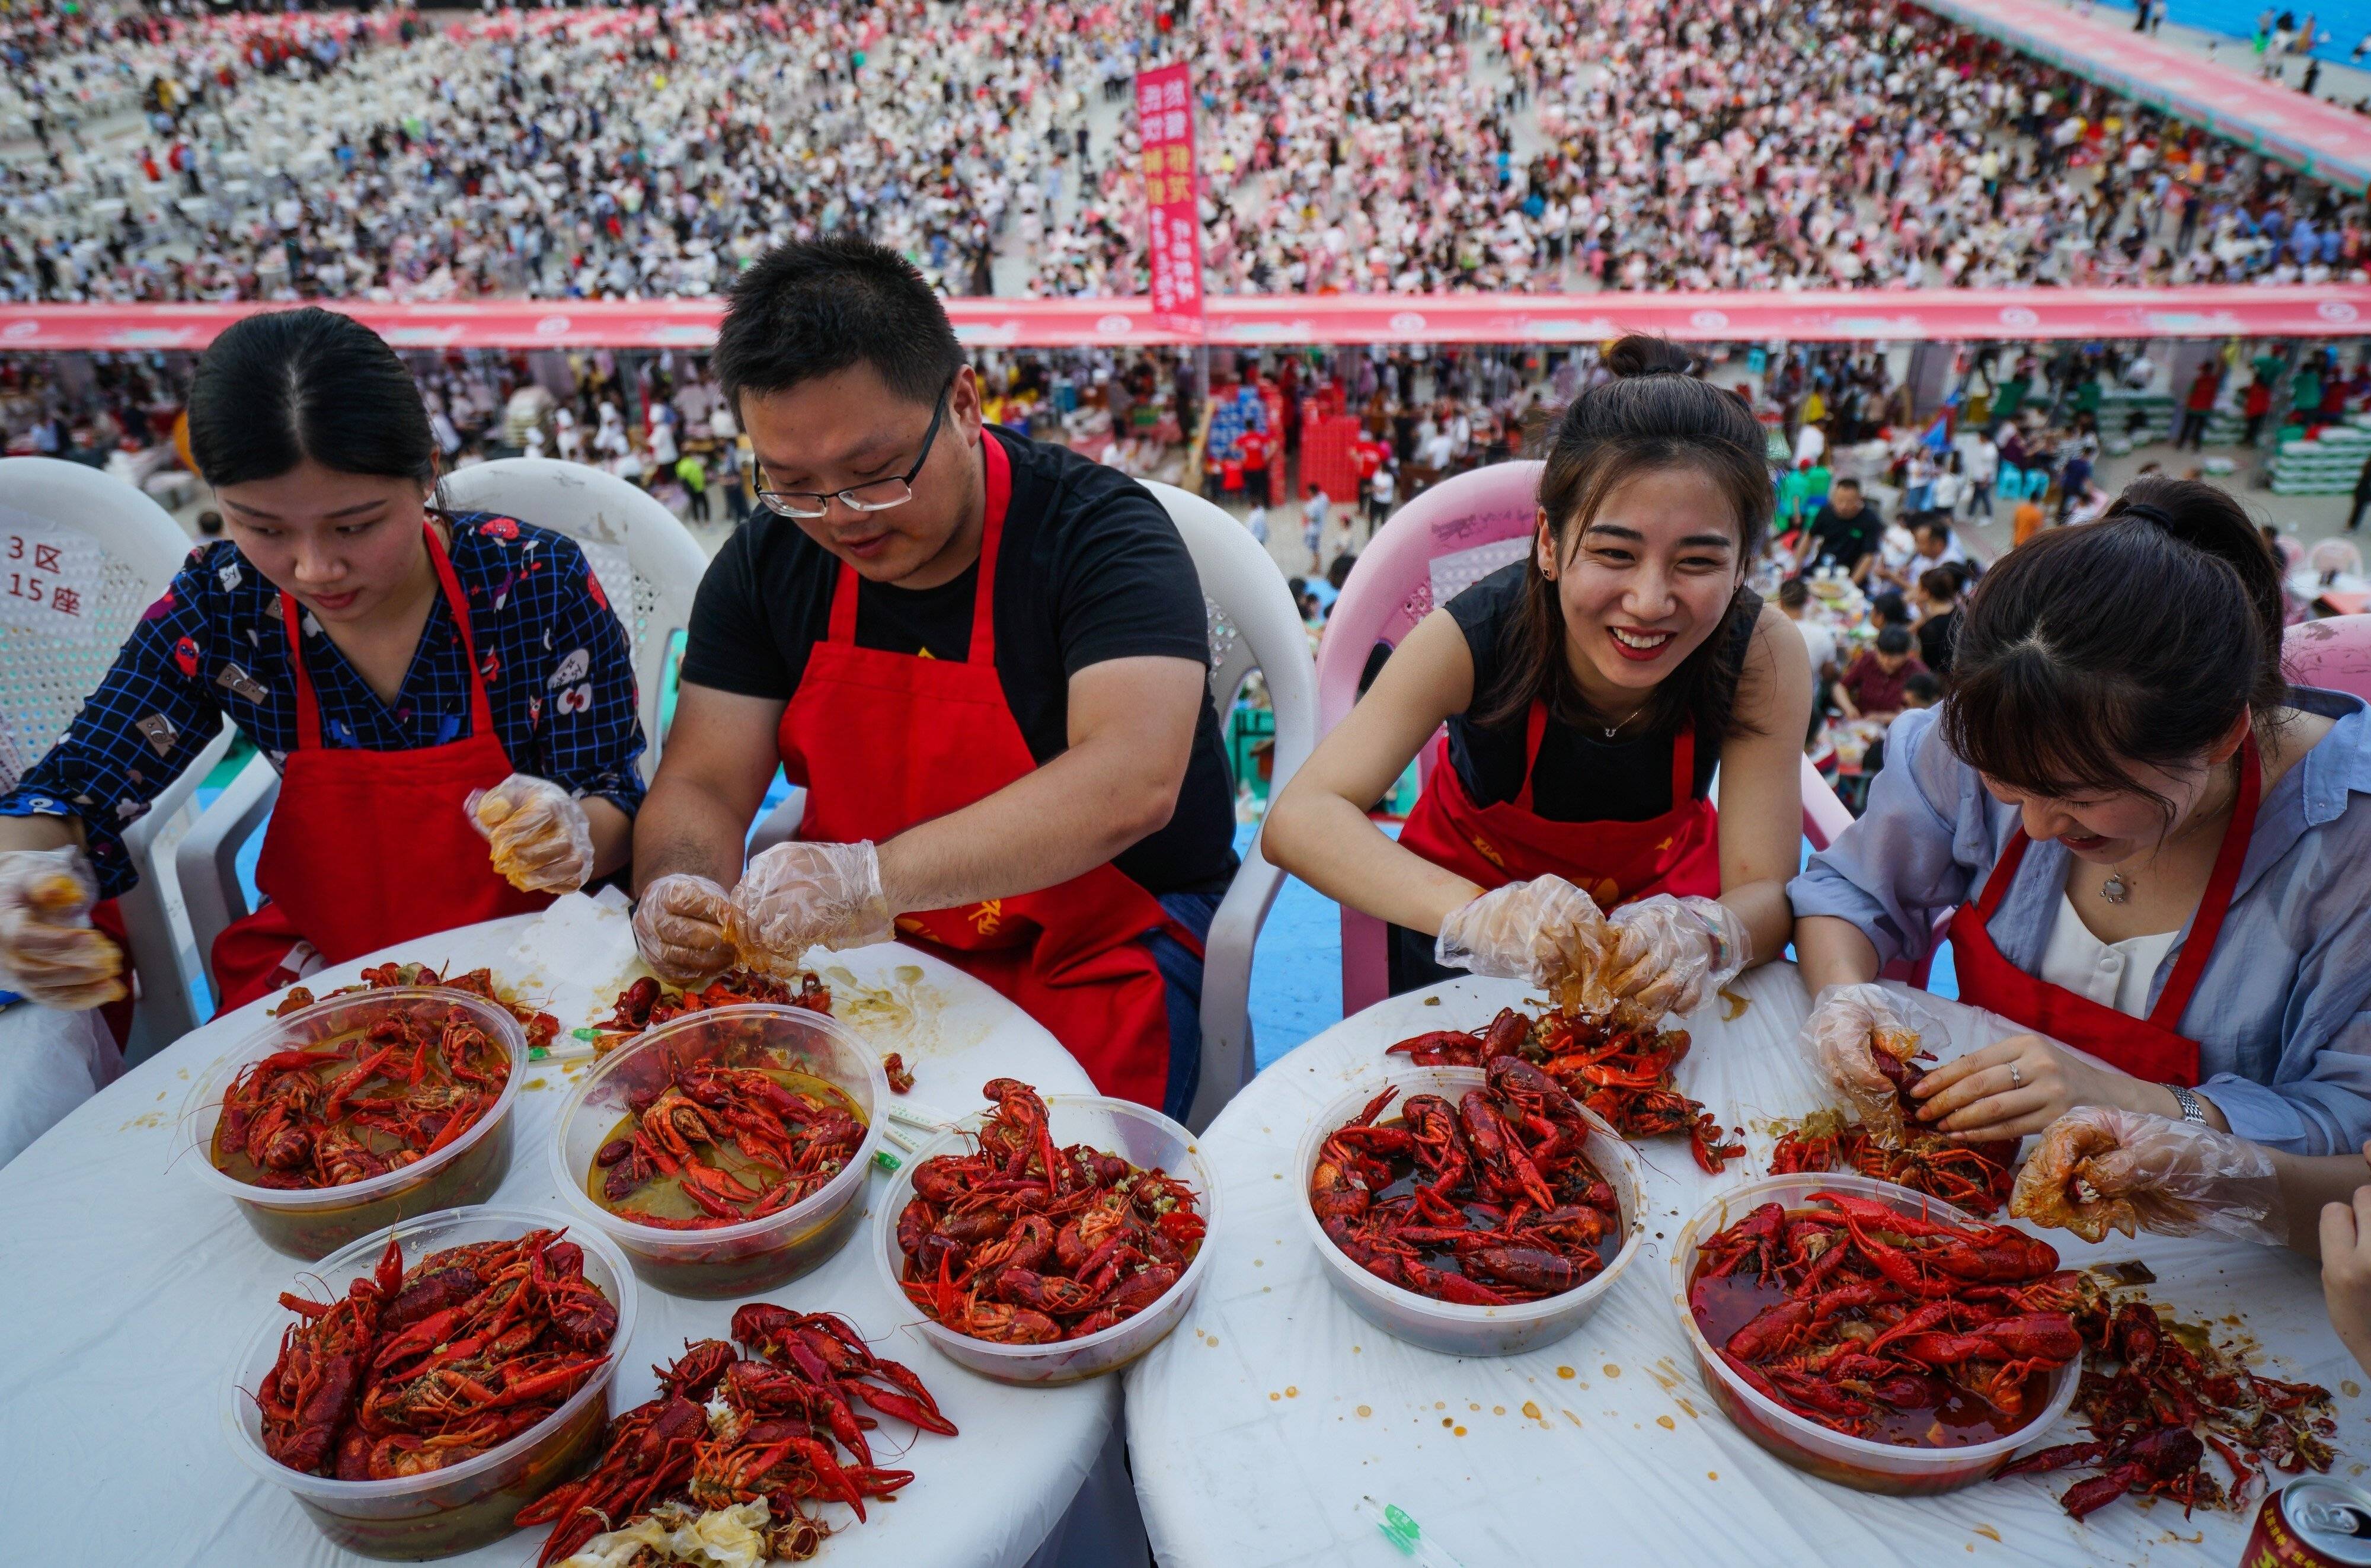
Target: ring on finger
<point>2015,1077</point>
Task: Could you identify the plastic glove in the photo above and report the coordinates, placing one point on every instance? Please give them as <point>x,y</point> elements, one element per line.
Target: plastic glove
<point>679,927</point>
<point>1673,953</point>
<point>542,839</point>
<point>1850,1028</point>
<point>50,953</point>
<point>2100,1168</point>
<point>1540,931</point>
<point>799,896</point>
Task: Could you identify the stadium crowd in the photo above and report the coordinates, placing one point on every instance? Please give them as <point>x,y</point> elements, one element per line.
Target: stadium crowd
<point>1398,145</point>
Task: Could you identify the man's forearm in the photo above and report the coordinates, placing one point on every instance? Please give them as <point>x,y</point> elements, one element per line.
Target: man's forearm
<point>688,827</point>
<point>1072,815</point>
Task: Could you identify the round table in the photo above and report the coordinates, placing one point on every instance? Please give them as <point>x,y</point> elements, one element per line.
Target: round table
<point>1256,1429</point>
<point>127,1287</point>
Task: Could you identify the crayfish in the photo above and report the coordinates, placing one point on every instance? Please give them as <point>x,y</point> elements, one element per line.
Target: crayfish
<point>1889,1144</point>
<point>730,1430</point>
<point>1884,1325</point>
<point>1975,1177</point>
<point>541,1028</point>
<point>1022,1242</point>
<point>647,1002</point>
<point>2154,1407</point>
<point>1484,1202</point>
<point>1618,1065</point>
<point>416,1370</point>
<point>783,1145</point>
<point>371,1102</point>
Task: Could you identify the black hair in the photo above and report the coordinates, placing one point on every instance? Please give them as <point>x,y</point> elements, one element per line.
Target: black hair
<point>1933,522</point>
<point>1894,639</point>
<point>1888,610</point>
<point>813,307</point>
<point>2140,639</point>
<point>1924,687</point>
<point>1794,592</point>
<point>282,385</point>
<point>1847,481</point>
<point>1654,415</point>
<point>1939,583</point>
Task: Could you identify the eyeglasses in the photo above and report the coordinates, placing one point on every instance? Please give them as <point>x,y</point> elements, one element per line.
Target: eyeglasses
<point>876,495</point>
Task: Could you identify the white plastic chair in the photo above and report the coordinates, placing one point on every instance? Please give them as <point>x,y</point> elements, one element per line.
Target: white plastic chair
<point>1253,626</point>
<point>2336,555</point>
<point>650,568</point>
<point>136,548</point>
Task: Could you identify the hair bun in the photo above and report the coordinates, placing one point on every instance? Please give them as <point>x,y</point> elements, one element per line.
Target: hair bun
<point>1643,354</point>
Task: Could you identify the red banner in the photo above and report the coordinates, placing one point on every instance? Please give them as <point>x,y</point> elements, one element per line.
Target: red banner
<point>1903,316</point>
<point>1164,120</point>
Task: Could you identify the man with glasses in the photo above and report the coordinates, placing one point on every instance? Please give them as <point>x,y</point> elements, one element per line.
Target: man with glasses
<point>984,657</point>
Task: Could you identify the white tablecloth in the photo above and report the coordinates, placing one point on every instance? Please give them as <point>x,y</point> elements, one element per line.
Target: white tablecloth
<point>1257,1428</point>
<point>125,1287</point>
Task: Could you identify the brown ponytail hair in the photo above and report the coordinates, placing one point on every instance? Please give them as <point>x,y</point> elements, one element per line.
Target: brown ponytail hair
<point>2140,639</point>
<point>1655,414</point>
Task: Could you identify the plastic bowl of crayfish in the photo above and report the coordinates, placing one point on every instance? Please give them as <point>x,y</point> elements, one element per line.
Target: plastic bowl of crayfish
<point>1454,1328</point>
<point>1977,1443</point>
<point>607,1155</point>
<point>343,1187</point>
<point>460,1505</point>
<point>1143,1138</point>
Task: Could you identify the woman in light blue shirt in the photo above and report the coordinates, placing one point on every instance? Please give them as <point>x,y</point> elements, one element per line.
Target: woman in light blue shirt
<point>2151,839</point>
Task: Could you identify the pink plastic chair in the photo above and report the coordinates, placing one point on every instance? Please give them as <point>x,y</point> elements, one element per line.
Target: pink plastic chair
<point>1431,549</point>
<point>2335,653</point>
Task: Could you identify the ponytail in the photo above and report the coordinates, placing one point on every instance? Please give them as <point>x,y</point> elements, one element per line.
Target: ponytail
<point>2139,639</point>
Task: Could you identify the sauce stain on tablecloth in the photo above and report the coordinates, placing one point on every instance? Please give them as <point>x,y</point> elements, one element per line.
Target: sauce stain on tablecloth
<point>910,1014</point>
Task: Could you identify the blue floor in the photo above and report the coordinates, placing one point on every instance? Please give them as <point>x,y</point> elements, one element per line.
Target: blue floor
<point>2237,19</point>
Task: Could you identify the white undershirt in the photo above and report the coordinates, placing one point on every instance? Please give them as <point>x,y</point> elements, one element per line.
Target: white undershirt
<point>2114,975</point>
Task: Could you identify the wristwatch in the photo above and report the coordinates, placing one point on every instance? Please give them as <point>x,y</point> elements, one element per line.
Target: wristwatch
<point>2193,1114</point>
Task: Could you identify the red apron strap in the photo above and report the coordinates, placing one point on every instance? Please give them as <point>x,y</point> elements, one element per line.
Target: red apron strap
<point>1684,765</point>
<point>843,608</point>
<point>308,705</point>
<point>1000,496</point>
<point>1535,729</point>
<point>2012,856</point>
<point>999,481</point>
<point>481,708</point>
<point>2207,923</point>
<point>309,708</point>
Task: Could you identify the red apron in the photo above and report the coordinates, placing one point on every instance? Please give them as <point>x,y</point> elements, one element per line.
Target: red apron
<point>2147,1048</point>
<point>883,740</point>
<point>1613,862</point>
<point>367,848</point>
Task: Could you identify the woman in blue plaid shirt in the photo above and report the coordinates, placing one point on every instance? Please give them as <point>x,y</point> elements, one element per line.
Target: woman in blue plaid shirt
<point>456,737</point>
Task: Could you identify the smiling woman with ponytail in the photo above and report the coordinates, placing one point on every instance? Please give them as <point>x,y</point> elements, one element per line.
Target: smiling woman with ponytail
<point>2153,842</point>
<point>1588,692</point>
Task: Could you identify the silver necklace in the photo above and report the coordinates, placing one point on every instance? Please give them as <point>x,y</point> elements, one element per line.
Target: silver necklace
<point>2119,887</point>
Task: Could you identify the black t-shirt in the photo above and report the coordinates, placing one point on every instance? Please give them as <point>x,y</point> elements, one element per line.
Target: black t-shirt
<point>1938,638</point>
<point>1582,777</point>
<point>1090,570</point>
<point>1846,540</point>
